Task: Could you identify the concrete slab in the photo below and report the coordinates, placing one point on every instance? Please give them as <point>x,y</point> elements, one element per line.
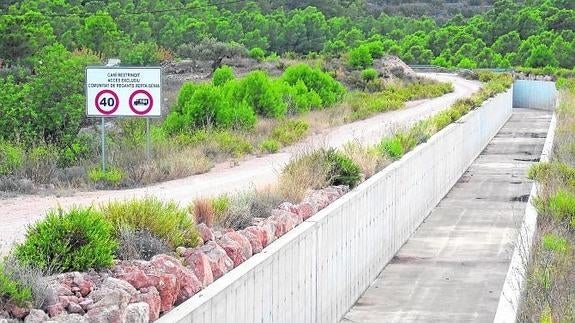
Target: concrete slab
<point>453,267</point>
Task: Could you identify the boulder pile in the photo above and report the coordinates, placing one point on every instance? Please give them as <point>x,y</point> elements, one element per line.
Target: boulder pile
<point>140,291</point>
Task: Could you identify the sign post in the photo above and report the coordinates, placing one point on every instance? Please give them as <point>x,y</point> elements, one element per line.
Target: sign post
<point>123,92</point>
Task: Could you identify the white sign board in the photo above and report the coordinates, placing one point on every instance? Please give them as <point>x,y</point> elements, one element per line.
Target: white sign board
<point>124,91</point>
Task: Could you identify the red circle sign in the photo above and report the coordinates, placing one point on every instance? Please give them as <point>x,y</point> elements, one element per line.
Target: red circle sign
<point>107,104</point>
<point>147,102</point>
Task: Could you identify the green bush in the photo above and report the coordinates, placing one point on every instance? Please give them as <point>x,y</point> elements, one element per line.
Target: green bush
<point>110,177</point>
<point>369,74</point>
<point>11,158</point>
<point>257,54</point>
<point>288,132</point>
<point>222,75</point>
<point>220,204</point>
<point>166,220</point>
<point>360,57</point>
<point>560,172</point>
<point>232,144</point>
<point>68,241</point>
<point>329,90</point>
<point>260,93</point>
<point>13,292</point>
<point>343,171</point>
<point>270,146</point>
<point>561,205</point>
<point>555,243</point>
<point>391,147</point>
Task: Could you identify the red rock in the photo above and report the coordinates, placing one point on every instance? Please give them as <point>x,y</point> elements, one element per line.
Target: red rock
<point>168,289</point>
<point>254,240</point>
<point>75,308</point>
<point>199,263</point>
<point>287,206</point>
<point>86,303</point>
<point>220,262</point>
<point>243,241</point>
<point>35,316</point>
<point>63,300</point>
<point>17,311</point>
<point>137,313</point>
<point>205,232</point>
<point>151,297</point>
<point>56,309</point>
<point>133,275</point>
<point>269,228</point>
<point>233,249</point>
<point>284,221</point>
<point>188,282</point>
<point>111,314</point>
<point>260,233</point>
<point>63,290</point>
<point>305,210</point>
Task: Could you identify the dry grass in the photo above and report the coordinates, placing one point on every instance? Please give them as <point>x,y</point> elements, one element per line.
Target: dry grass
<point>368,160</point>
<point>203,211</point>
<point>306,170</point>
<point>550,291</point>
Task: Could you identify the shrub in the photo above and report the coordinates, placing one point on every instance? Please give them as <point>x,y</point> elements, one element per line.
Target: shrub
<point>369,74</point>
<point>391,147</point>
<point>343,171</point>
<point>12,291</point>
<point>257,54</point>
<point>139,244</point>
<point>11,158</point>
<point>232,144</point>
<point>264,202</point>
<point>329,90</point>
<point>28,278</point>
<point>222,75</point>
<point>40,163</point>
<point>237,214</point>
<point>360,57</point>
<point>109,177</point>
<point>304,172</point>
<point>261,93</point>
<point>203,211</point>
<point>288,132</point>
<point>367,159</point>
<point>220,204</point>
<point>236,116</point>
<point>561,205</point>
<point>270,146</point>
<point>68,241</point>
<point>166,220</point>
<point>555,243</point>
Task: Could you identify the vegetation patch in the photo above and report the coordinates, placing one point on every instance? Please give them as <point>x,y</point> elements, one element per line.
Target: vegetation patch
<point>550,290</point>
<point>165,220</point>
<point>75,240</point>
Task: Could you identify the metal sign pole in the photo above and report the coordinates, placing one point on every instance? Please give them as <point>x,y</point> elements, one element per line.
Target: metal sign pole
<point>103,138</point>
<point>148,140</point>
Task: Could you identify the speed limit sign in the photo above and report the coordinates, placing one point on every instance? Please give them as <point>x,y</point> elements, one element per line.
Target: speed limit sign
<point>123,92</point>
<point>107,102</point>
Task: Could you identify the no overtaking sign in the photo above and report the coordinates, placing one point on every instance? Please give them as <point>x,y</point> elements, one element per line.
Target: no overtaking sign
<point>126,91</point>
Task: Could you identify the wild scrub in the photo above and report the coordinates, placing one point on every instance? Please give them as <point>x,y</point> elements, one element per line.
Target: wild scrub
<point>166,220</point>
<point>550,290</point>
<point>78,239</point>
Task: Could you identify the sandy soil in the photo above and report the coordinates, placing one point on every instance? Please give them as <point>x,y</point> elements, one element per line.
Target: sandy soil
<point>18,212</point>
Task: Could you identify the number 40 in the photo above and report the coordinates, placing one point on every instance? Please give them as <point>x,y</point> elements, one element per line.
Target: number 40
<point>108,102</point>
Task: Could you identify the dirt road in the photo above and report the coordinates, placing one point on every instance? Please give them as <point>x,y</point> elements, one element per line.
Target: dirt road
<point>16,213</point>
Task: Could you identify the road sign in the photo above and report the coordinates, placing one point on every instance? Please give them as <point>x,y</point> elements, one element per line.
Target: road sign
<point>124,91</point>
<point>141,102</point>
<point>107,102</point>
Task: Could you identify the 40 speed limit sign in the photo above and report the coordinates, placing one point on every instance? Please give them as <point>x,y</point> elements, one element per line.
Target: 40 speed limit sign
<point>125,91</point>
